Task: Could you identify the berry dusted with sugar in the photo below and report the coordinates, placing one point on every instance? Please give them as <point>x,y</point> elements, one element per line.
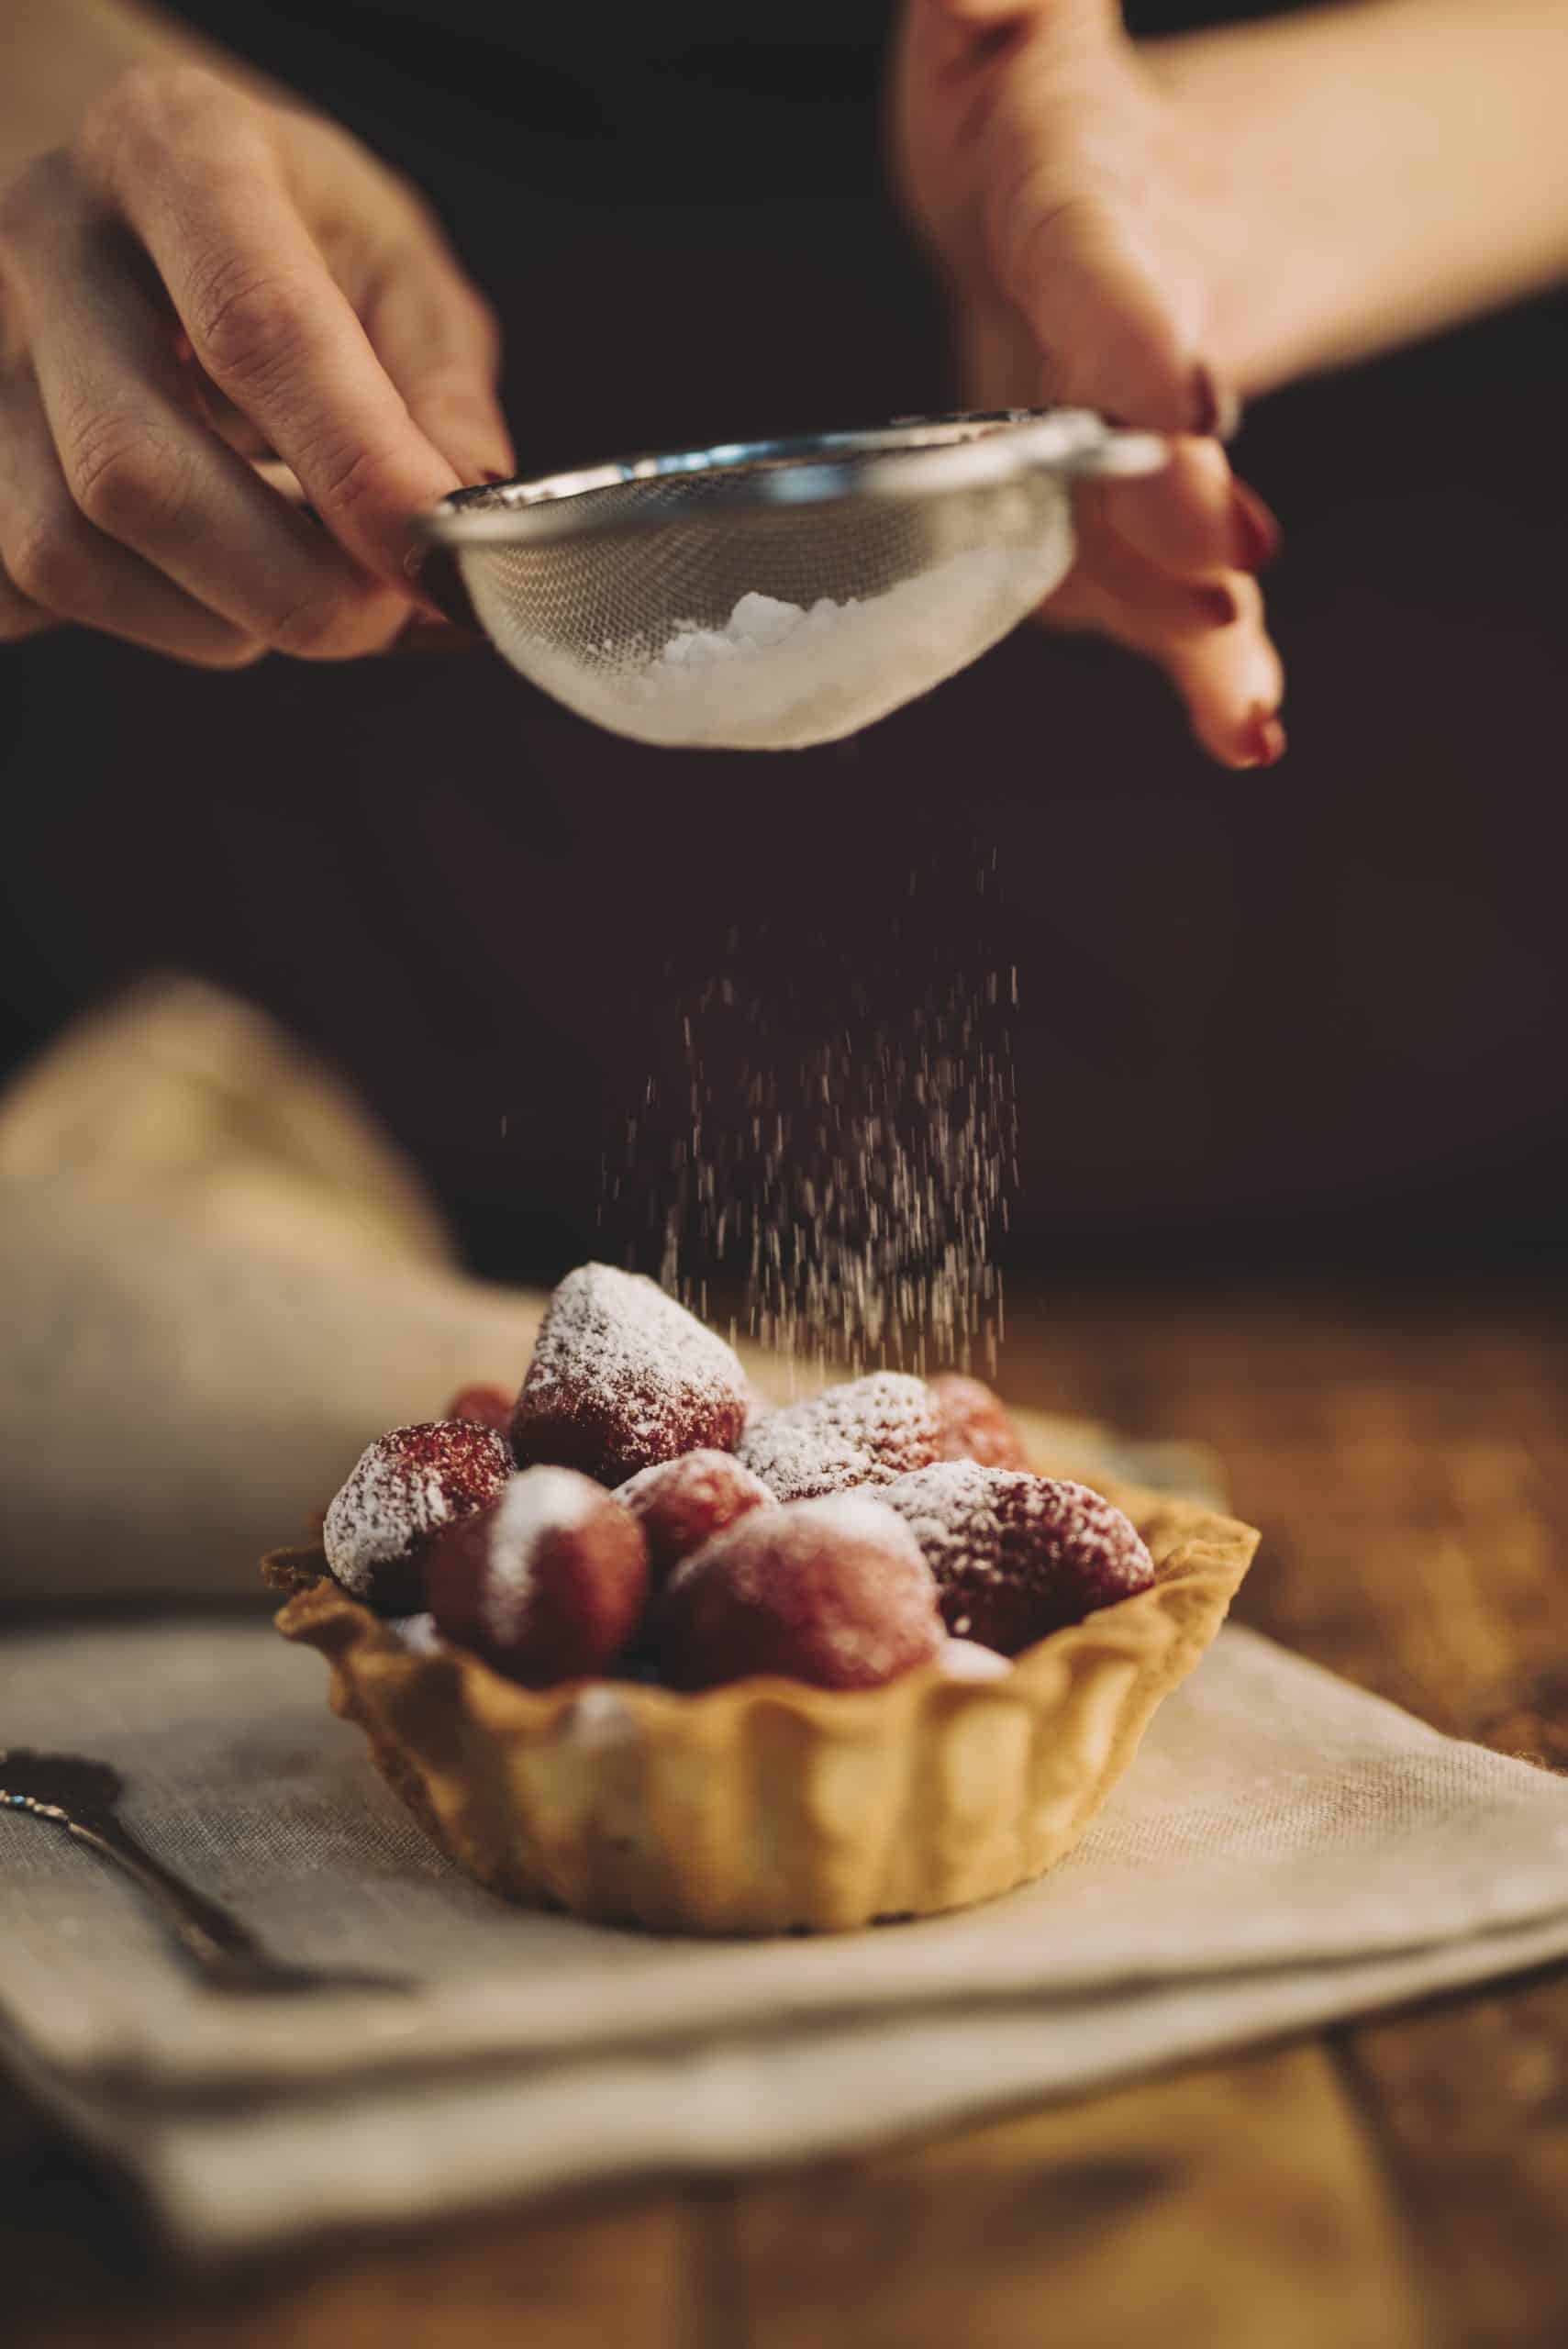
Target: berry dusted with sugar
<point>1017,1557</point>
<point>831,1591</point>
<point>975,1423</point>
<point>681,1504</point>
<point>404,1487</point>
<point>865,1432</point>
<point>622,1376</point>
<point>485,1406</point>
<point>548,1583</point>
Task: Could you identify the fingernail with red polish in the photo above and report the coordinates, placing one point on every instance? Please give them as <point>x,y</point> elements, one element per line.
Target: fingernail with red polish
<point>1218,605</point>
<point>1263,740</point>
<point>1216,411</point>
<point>1254,528</point>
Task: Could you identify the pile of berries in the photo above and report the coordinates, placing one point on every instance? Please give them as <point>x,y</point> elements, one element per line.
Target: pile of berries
<point>631,1513</point>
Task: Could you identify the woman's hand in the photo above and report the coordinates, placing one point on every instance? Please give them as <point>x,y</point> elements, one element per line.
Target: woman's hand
<point>1081,237</point>
<point>213,309</point>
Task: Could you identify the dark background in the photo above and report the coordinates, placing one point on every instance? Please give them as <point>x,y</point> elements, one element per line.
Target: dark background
<point>1311,1016</point>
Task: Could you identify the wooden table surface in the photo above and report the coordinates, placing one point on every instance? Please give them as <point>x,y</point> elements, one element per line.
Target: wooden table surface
<point>1402,2181</point>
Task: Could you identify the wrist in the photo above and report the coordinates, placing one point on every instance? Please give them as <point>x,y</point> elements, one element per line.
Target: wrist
<point>1271,272</point>
<point>1369,174</point>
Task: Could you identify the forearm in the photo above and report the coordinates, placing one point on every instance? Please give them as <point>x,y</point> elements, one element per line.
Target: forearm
<point>60,55</point>
<point>1388,168</point>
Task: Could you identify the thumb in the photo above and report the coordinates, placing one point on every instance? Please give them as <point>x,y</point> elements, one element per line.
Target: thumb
<point>1109,332</point>
<point>1065,205</point>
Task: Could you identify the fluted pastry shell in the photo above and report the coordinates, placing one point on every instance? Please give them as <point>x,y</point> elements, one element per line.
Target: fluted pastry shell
<point>768,1806</point>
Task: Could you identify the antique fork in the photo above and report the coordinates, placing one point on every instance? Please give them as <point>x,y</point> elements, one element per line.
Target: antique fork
<point>79,1795</point>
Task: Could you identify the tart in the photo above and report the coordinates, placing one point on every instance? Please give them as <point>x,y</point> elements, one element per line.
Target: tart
<point>914,1770</point>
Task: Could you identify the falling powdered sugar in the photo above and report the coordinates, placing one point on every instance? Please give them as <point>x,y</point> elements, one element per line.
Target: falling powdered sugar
<point>849,1193</point>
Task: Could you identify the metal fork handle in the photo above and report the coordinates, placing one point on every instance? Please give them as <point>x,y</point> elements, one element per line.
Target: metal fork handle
<point>215,1941</point>
<point>227,1955</point>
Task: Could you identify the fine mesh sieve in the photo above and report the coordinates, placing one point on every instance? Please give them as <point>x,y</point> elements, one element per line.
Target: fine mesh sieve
<point>770,595</point>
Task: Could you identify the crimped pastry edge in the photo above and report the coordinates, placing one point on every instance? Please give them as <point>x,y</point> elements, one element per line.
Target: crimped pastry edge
<point>768,1806</point>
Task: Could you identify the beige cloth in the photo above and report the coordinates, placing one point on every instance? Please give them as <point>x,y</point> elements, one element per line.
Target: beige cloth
<point>218,1281</point>
<point>1285,1850</point>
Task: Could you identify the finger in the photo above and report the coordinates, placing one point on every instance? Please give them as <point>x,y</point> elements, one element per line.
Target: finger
<point>196,178</point>
<point>1232,687</point>
<point>1218,656</point>
<point>143,469</point>
<point>1075,242</point>
<point>66,570</point>
<point>438,342</point>
<point>1102,316</point>
<point>1224,667</point>
<point>1114,588</point>
<point>1193,518</point>
<point>221,414</point>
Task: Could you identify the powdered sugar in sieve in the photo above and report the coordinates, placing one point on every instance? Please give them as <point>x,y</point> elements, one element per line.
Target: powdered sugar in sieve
<point>771,595</point>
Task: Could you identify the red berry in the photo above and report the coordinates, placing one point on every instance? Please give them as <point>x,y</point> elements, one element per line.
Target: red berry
<point>623,1376</point>
<point>486,1407</point>
<point>864,1432</point>
<point>681,1504</point>
<point>548,1583</point>
<point>404,1487</point>
<point>1016,1556</point>
<point>832,1591</point>
<point>975,1423</point>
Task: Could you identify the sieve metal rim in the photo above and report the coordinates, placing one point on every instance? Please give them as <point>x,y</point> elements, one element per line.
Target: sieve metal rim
<point>913,457</point>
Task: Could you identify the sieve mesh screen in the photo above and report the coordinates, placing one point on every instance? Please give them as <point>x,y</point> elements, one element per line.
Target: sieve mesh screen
<point>782,601</point>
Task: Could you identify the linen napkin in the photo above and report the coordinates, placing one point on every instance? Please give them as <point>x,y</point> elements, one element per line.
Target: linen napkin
<point>1285,1850</point>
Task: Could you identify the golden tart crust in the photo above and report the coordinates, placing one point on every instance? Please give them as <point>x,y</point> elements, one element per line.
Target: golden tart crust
<point>768,1806</point>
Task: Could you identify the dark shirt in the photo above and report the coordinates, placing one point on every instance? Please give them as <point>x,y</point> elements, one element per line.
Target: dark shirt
<point>1311,1013</point>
